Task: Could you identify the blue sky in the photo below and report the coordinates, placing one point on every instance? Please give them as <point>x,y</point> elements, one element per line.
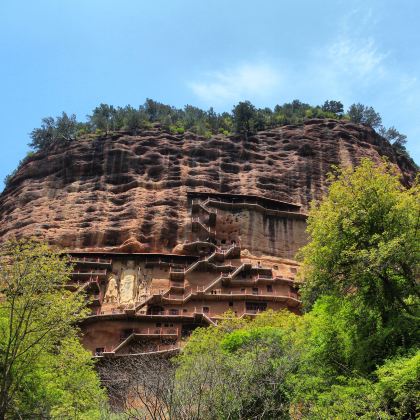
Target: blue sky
<point>71,55</point>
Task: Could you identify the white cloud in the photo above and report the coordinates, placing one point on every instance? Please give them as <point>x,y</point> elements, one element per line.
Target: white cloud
<point>245,81</point>
<point>334,70</point>
<point>353,62</point>
<point>345,69</point>
<point>358,57</point>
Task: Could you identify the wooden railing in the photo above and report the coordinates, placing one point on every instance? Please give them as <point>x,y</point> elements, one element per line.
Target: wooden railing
<point>255,205</point>
<point>113,311</point>
<point>167,312</point>
<point>209,230</point>
<point>78,273</point>
<point>83,284</point>
<point>241,292</point>
<point>203,205</point>
<point>90,260</point>
<point>261,277</point>
<point>246,291</point>
<point>156,349</point>
<point>159,331</point>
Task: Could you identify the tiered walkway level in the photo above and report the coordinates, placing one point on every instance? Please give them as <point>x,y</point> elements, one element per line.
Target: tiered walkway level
<point>177,293</point>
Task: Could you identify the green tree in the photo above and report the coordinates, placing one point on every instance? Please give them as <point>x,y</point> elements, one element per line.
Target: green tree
<point>61,129</point>
<point>152,109</point>
<point>134,119</point>
<point>348,398</point>
<point>213,120</point>
<point>393,136</point>
<point>244,115</point>
<point>364,239</point>
<point>226,123</point>
<point>397,139</point>
<point>336,107</point>
<point>43,137</point>
<point>364,251</point>
<point>38,332</point>
<point>66,127</point>
<point>399,385</point>
<point>324,386</point>
<point>244,118</point>
<point>237,369</point>
<point>103,117</point>
<point>62,385</point>
<point>362,114</point>
<point>193,115</point>
<point>291,113</point>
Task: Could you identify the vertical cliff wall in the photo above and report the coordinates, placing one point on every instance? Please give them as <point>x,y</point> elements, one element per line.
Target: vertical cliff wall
<point>130,193</point>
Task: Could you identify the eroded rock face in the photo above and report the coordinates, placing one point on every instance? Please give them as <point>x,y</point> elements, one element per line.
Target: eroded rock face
<point>128,193</point>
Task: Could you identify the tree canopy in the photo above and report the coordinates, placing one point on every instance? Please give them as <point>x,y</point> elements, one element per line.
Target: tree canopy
<point>365,239</point>
<point>61,129</point>
<point>44,370</point>
<point>245,118</point>
<point>362,114</point>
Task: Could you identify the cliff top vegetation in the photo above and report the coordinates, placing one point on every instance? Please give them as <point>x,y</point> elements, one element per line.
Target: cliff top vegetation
<point>245,118</point>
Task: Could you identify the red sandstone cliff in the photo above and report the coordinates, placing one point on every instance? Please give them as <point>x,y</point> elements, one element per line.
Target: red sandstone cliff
<point>128,193</point>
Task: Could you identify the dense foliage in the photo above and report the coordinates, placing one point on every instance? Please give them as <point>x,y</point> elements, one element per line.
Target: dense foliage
<point>355,351</point>
<point>44,370</point>
<point>244,118</point>
<point>364,237</point>
<point>238,369</point>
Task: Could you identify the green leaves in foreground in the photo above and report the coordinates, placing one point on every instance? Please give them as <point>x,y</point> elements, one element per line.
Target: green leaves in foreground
<point>44,371</point>
<point>365,240</point>
<point>289,367</point>
<point>364,251</point>
<point>237,369</point>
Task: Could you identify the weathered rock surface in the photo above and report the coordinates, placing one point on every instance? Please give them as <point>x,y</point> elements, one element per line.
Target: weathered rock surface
<point>128,193</point>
